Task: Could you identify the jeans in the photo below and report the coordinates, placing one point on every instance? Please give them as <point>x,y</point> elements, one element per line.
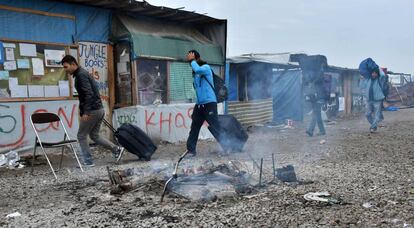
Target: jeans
<point>91,127</point>
<point>374,113</point>
<point>316,118</point>
<point>206,112</point>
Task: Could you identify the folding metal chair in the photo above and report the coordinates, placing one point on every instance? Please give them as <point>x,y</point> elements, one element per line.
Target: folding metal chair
<point>42,118</point>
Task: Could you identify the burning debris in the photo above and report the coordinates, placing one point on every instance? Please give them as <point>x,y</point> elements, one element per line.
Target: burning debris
<point>200,181</point>
<point>203,183</point>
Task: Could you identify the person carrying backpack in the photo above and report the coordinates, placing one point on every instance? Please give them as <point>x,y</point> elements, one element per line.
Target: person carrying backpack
<point>205,108</point>
<point>375,88</point>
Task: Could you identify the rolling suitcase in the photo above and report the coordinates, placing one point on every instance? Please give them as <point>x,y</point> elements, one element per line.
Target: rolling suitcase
<point>232,135</point>
<point>134,140</point>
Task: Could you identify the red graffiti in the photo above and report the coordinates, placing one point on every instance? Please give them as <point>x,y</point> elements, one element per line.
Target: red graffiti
<point>105,98</point>
<point>68,120</point>
<point>160,120</point>
<point>62,113</point>
<point>166,120</point>
<point>148,120</point>
<point>190,112</point>
<point>23,130</point>
<point>177,118</point>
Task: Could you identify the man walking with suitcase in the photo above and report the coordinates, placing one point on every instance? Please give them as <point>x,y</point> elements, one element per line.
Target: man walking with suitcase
<point>205,108</point>
<point>90,109</point>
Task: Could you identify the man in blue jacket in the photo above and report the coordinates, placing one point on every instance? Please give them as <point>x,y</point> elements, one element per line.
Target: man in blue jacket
<point>374,94</point>
<point>205,108</point>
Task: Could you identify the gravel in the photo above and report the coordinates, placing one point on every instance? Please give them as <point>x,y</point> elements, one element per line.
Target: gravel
<point>372,174</point>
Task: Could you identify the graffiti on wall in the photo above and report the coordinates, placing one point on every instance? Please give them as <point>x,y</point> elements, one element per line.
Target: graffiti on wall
<point>166,122</point>
<point>16,130</point>
<point>94,58</point>
<point>358,103</point>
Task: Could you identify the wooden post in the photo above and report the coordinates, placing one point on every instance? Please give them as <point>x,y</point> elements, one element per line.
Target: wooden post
<point>111,80</point>
<point>348,92</point>
<point>134,83</point>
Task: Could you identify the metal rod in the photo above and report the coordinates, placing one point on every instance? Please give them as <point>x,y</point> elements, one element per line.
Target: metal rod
<point>254,162</point>
<point>261,169</point>
<point>111,179</point>
<point>174,175</point>
<point>274,168</point>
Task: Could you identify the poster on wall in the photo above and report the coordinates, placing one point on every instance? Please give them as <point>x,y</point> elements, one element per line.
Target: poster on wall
<point>38,69</point>
<point>9,54</point>
<point>9,45</point>
<point>17,90</point>
<point>4,75</point>
<point>53,57</point>
<point>23,64</point>
<point>64,88</point>
<point>10,65</point>
<point>27,50</point>
<point>36,91</point>
<point>51,91</point>
<point>94,58</point>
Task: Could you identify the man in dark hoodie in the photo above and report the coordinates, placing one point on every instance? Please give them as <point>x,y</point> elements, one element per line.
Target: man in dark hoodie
<point>205,108</point>
<point>90,109</point>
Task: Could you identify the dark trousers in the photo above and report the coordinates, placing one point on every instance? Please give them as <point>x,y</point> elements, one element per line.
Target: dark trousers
<point>206,112</point>
<point>316,118</point>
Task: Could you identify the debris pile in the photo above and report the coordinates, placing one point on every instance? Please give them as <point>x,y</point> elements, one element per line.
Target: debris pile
<point>202,183</point>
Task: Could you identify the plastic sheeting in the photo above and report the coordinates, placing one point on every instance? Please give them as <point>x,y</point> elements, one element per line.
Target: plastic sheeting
<point>263,80</point>
<point>91,24</point>
<point>157,39</point>
<point>287,95</point>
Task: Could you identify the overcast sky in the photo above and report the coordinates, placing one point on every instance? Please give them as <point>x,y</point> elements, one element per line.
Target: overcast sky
<point>346,31</point>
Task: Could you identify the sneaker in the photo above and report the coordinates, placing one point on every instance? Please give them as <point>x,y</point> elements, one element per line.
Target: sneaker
<point>372,130</point>
<point>89,164</point>
<point>191,154</point>
<point>86,164</point>
<point>310,134</point>
<point>321,133</point>
<point>118,152</point>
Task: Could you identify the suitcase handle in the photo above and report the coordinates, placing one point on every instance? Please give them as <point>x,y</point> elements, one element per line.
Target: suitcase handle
<point>109,125</point>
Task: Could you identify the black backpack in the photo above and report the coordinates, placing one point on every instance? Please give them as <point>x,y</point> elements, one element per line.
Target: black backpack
<point>219,87</point>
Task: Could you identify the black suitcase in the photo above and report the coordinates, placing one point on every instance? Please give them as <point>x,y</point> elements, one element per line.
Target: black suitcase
<point>134,140</point>
<point>232,135</point>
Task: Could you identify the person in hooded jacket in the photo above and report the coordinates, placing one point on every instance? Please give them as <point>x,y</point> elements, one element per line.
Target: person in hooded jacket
<point>205,108</point>
<point>373,87</point>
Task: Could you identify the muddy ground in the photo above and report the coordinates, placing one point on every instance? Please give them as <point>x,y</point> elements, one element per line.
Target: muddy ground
<point>371,173</point>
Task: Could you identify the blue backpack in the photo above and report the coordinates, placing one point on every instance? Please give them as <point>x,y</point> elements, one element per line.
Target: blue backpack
<point>366,67</point>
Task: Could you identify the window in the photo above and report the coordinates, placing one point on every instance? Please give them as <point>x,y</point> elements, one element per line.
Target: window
<point>152,81</point>
<point>181,83</point>
<point>123,76</point>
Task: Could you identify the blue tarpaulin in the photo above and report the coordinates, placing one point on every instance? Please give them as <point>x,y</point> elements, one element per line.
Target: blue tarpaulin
<point>1,53</point>
<point>287,95</point>
<point>262,81</point>
<point>89,24</point>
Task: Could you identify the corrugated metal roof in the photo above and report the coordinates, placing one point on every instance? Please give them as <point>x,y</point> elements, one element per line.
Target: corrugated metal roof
<point>281,59</point>
<point>145,9</point>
